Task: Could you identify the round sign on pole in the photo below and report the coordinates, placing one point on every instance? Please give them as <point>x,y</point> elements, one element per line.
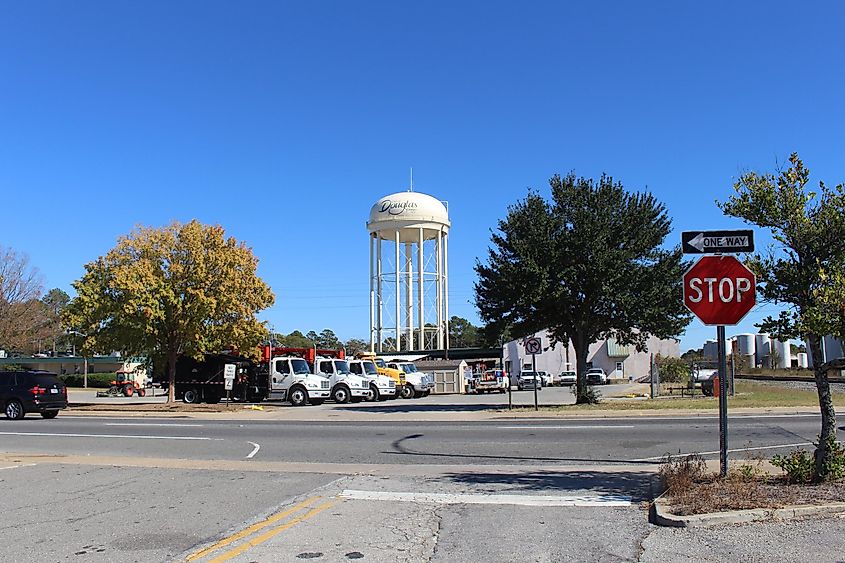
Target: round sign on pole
<point>719,290</point>
<point>533,346</point>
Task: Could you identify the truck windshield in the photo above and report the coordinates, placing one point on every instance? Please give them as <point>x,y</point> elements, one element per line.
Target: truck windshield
<point>408,368</point>
<point>370,368</point>
<point>380,363</point>
<point>300,367</point>
<point>341,366</point>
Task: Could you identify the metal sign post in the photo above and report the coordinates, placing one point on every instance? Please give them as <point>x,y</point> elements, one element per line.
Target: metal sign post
<point>720,290</point>
<point>534,346</point>
<point>229,380</point>
<point>723,402</point>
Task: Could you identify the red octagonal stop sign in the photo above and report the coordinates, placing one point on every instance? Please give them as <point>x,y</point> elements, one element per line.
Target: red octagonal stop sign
<point>719,290</point>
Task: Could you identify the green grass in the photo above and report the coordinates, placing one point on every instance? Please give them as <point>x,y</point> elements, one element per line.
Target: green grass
<point>748,395</point>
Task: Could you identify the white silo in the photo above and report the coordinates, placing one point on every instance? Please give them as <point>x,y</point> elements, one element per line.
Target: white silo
<point>782,352</point>
<point>802,360</point>
<point>762,349</point>
<point>711,350</point>
<point>409,282</point>
<point>745,348</point>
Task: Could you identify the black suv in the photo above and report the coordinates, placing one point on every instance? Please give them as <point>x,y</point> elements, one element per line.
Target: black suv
<point>31,391</point>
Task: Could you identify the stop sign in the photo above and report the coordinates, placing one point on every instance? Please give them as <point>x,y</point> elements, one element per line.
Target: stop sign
<point>719,290</point>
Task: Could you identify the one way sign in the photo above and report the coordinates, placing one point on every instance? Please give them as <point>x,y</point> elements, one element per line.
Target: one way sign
<point>717,242</point>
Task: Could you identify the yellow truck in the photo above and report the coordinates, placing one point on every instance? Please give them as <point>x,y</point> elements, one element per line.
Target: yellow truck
<point>396,375</point>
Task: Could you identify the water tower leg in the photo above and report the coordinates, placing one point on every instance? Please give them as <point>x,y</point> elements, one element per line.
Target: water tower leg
<point>420,289</point>
<point>398,295</point>
<point>439,277</point>
<point>409,294</point>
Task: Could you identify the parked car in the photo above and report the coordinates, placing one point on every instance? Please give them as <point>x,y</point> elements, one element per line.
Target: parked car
<point>596,376</point>
<point>528,379</point>
<point>23,392</point>
<point>568,378</point>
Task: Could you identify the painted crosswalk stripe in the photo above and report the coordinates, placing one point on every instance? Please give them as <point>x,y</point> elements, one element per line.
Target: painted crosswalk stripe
<point>608,500</point>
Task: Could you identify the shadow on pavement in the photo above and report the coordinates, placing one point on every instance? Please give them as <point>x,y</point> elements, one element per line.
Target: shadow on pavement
<point>474,407</point>
<point>640,486</point>
<point>399,448</point>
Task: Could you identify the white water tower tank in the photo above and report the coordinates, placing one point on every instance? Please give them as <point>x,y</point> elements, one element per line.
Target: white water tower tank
<point>745,348</point>
<point>762,345</point>
<point>802,360</point>
<point>783,354</point>
<point>409,273</point>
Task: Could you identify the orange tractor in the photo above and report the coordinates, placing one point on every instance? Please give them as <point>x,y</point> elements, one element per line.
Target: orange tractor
<point>123,385</point>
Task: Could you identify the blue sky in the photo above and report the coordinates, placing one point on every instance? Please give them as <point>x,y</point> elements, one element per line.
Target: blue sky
<point>285,121</point>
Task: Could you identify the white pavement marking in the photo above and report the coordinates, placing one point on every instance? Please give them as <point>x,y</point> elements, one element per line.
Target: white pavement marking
<point>659,457</point>
<point>575,427</point>
<point>519,500</point>
<point>19,465</point>
<point>253,452</point>
<point>109,436</point>
<point>153,424</point>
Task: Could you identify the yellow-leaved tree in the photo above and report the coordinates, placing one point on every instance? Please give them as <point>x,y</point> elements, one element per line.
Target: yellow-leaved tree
<point>181,289</point>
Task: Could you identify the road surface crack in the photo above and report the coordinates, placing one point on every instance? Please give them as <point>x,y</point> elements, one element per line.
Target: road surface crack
<point>435,536</point>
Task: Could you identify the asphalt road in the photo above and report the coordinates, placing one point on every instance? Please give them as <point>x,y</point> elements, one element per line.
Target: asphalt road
<point>99,489</point>
<point>558,441</point>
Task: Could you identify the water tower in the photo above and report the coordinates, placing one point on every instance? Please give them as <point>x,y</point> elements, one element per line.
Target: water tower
<point>409,282</point>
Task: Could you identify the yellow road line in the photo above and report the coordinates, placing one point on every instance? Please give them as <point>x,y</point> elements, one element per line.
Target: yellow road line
<point>252,529</point>
<point>270,533</point>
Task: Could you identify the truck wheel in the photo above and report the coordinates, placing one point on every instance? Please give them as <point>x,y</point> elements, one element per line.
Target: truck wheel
<point>142,392</point>
<point>407,391</point>
<point>374,394</point>
<point>191,396</point>
<point>128,390</point>
<point>426,393</point>
<point>340,394</point>
<point>298,396</point>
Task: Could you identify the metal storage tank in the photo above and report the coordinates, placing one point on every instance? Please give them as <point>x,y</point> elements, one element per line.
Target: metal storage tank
<point>409,273</point>
<point>745,348</point>
<point>763,347</point>
<point>711,350</point>
<point>802,360</point>
<point>783,354</point>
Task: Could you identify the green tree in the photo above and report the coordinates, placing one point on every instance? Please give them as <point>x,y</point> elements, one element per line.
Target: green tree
<point>355,345</point>
<point>586,266</point>
<point>295,340</point>
<point>327,339</point>
<point>462,333</point>
<point>799,270</point>
<point>55,302</point>
<point>181,289</point>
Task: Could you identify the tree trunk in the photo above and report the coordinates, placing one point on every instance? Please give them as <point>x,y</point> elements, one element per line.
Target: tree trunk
<point>171,377</point>
<point>828,431</point>
<point>581,350</point>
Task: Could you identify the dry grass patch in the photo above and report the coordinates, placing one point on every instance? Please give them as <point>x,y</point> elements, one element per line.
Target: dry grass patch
<point>692,490</point>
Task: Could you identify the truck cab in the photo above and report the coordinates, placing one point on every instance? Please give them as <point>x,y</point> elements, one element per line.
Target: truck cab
<point>381,366</point>
<point>417,384</point>
<point>345,386</point>
<point>382,387</point>
<point>291,380</point>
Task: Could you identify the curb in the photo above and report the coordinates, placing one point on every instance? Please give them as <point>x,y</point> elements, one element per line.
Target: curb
<point>661,515</point>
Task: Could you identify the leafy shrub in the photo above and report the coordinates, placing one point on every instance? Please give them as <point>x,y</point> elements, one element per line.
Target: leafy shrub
<point>98,380</point>
<point>799,466</point>
<point>673,370</point>
<point>591,396</point>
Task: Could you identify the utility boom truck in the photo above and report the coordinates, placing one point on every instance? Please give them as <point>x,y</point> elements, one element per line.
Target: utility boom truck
<point>417,384</point>
<point>290,377</point>
<point>382,387</point>
<point>344,386</point>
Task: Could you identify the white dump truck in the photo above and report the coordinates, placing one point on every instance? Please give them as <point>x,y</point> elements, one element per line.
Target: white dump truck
<point>382,387</point>
<point>417,383</point>
<point>290,379</point>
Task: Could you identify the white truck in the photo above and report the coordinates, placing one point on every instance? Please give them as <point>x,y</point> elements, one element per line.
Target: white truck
<point>345,386</point>
<point>381,386</point>
<point>417,383</point>
<point>291,380</point>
